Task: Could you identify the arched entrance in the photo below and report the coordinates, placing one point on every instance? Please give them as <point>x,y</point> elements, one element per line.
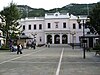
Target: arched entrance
<point>57,39</point>
<point>64,39</point>
<point>49,39</point>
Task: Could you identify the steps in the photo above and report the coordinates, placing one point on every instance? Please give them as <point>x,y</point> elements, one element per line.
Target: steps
<point>60,45</point>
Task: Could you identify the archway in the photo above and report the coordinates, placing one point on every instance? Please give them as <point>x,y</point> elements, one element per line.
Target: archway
<point>57,39</point>
<point>64,39</point>
<point>49,39</point>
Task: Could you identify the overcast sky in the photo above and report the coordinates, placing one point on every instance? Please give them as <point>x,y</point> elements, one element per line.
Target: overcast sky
<point>46,4</point>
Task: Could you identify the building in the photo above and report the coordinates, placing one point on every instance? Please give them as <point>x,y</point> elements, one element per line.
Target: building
<point>54,28</point>
<point>2,39</point>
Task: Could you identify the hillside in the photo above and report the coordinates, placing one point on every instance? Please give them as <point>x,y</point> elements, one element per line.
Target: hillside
<point>75,9</point>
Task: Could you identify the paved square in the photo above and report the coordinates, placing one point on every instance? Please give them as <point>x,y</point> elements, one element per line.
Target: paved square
<point>49,61</point>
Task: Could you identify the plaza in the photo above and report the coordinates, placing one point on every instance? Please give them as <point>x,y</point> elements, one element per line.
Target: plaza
<point>65,42</point>
<point>49,61</point>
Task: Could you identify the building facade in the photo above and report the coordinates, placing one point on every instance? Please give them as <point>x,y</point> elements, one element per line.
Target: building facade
<point>2,39</point>
<point>54,28</point>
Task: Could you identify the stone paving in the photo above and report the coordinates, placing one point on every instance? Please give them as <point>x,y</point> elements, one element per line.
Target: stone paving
<point>49,61</point>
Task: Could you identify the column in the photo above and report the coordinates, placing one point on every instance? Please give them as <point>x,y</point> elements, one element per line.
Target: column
<point>69,38</point>
<point>52,38</point>
<point>45,38</point>
<point>60,38</point>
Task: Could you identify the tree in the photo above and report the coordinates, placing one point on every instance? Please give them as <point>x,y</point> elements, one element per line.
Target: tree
<point>12,15</point>
<point>95,19</point>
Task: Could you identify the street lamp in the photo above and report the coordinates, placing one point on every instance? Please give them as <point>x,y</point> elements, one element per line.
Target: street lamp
<point>34,37</point>
<point>84,21</point>
<point>73,33</point>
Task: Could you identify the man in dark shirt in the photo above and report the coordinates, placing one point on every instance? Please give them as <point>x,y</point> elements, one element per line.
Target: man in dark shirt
<point>33,44</point>
<point>18,49</point>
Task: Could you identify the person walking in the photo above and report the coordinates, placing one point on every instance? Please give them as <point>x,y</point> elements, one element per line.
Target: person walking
<point>18,49</point>
<point>46,44</point>
<point>49,45</point>
<point>33,45</point>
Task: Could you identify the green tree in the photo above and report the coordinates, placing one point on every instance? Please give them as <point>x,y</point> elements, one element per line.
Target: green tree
<point>12,15</point>
<point>95,19</point>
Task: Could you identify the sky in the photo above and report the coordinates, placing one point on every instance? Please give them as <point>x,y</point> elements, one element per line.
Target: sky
<point>46,4</point>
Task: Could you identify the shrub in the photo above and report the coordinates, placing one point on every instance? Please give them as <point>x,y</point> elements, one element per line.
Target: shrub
<point>4,47</point>
<point>97,47</point>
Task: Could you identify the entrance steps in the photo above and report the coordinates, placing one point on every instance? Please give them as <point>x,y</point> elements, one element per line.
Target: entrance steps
<point>60,45</point>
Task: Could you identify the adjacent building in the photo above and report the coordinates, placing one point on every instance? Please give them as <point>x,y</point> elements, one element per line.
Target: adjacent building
<point>2,39</point>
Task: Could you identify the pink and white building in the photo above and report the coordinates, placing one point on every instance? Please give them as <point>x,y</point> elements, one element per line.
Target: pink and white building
<point>55,28</point>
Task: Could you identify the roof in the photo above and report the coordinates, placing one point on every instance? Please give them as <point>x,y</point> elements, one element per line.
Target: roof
<point>24,37</point>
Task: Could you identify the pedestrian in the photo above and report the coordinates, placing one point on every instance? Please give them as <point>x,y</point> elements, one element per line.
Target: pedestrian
<point>33,45</point>
<point>10,45</point>
<point>49,45</point>
<point>72,45</point>
<point>46,44</point>
<point>19,49</point>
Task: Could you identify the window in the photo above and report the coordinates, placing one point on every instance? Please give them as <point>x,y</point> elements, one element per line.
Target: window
<point>64,25</point>
<point>80,26</point>
<point>56,24</point>
<point>56,14</point>
<point>29,27</point>
<point>74,26</point>
<point>34,26</point>
<point>49,25</point>
<point>40,26</point>
<point>23,27</point>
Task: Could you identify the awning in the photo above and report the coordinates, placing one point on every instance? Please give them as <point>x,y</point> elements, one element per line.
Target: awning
<point>90,36</point>
<point>24,37</point>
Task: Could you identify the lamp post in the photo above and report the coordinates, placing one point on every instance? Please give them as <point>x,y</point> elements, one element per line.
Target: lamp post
<point>73,33</point>
<point>34,37</point>
<point>83,41</point>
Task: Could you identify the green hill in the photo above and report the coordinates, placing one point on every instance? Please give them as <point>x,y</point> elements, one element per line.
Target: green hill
<point>75,9</point>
